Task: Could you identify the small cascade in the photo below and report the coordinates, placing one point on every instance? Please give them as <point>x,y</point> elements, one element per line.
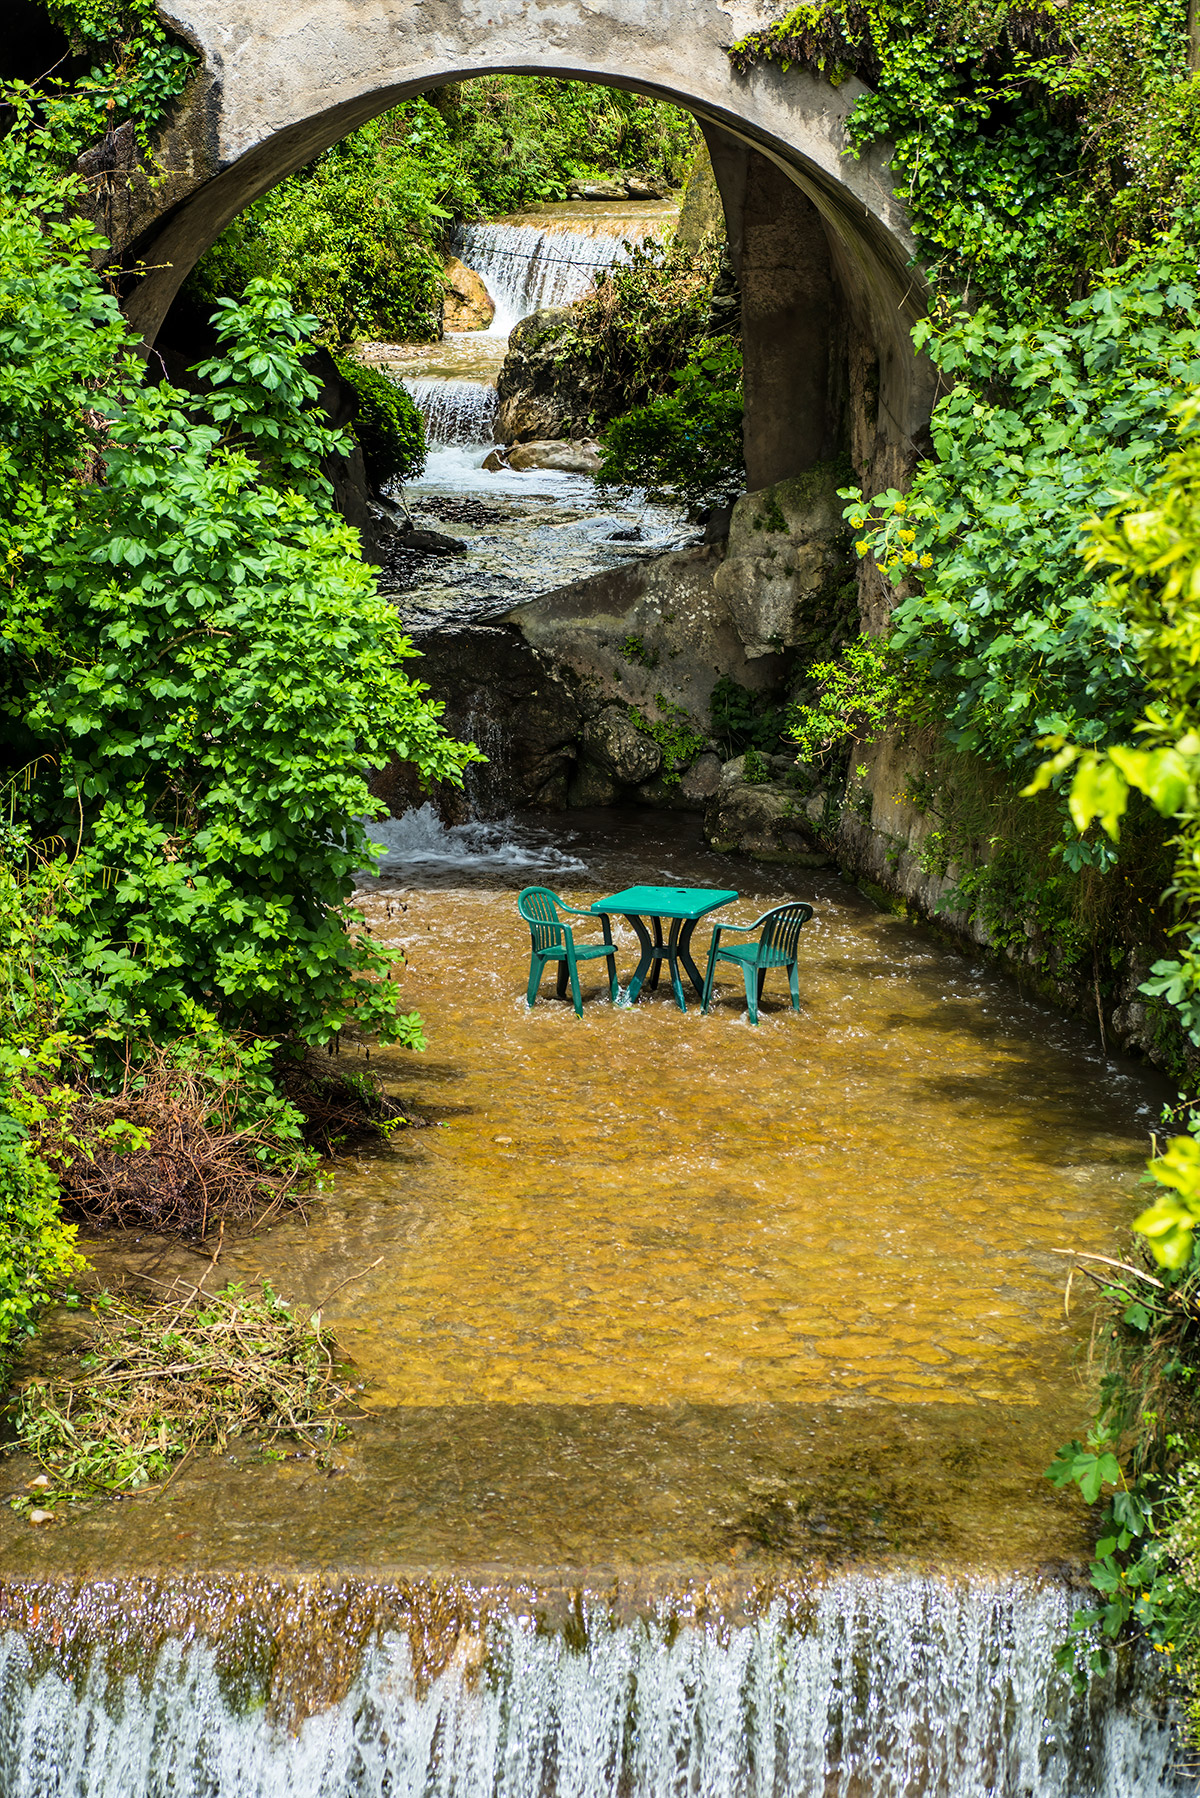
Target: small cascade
<point>867,1688</point>
<point>455,411</point>
<point>420,840</point>
<point>526,267</point>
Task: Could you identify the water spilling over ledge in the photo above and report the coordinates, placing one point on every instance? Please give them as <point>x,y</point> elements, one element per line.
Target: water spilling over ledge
<point>860,1688</point>
<point>709,1376</point>
<point>552,256</point>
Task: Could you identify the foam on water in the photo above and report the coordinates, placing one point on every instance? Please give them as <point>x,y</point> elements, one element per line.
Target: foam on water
<point>419,839</point>
<point>876,1688</point>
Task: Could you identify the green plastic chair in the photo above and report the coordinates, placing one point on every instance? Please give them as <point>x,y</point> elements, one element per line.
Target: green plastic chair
<point>775,948</point>
<point>555,941</point>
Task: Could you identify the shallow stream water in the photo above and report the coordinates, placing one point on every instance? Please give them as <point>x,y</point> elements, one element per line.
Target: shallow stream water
<point>709,1375</point>
<point>525,532</point>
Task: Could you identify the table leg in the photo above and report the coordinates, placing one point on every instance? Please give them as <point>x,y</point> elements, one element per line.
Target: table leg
<point>685,956</point>
<point>673,963</point>
<point>647,956</point>
<point>656,969</point>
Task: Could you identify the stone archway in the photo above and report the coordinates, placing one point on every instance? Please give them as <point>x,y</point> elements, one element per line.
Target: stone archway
<point>821,240</point>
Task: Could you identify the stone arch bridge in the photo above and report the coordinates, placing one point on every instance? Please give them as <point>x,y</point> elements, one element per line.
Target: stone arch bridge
<point>820,240</point>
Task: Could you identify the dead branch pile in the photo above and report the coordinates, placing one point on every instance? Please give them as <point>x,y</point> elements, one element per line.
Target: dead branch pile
<point>338,1106</point>
<point>166,1152</point>
<point>172,1151</point>
<point>157,1382</point>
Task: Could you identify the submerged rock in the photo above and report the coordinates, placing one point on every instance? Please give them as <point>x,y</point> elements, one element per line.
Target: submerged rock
<point>429,543</point>
<point>468,305</point>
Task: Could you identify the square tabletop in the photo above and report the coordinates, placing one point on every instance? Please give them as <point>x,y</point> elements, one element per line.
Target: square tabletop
<point>665,902</point>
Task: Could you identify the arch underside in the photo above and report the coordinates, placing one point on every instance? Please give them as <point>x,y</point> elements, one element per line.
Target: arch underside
<point>821,239</point>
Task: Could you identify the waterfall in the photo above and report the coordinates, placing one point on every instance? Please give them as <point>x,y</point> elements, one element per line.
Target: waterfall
<point>454,410</point>
<point>526,267</point>
<point>868,1687</point>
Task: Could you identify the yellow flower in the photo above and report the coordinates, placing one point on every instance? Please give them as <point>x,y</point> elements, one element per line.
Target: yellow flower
<point>862,546</point>
<point>908,536</point>
<point>900,507</point>
<point>926,561</point>
<point>910,556</point>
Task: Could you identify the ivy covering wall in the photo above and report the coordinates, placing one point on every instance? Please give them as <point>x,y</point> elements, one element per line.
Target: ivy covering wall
<point>1045,569</point>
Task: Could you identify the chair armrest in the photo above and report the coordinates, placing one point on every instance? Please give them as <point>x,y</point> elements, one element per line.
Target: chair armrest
<point>582,911</point>
<point>726,924</point>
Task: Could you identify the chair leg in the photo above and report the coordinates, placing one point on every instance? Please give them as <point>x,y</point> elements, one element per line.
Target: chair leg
<point>709,973</point>
<point>576,995</point>
<point>536,968</point>
<point>762,981</point>
<point>561,983</point>
<point>750,976</point>
<point>794,983</point>
<point>614,991</point>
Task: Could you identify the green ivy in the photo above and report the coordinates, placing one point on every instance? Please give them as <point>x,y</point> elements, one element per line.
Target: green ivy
<point>675,732</point>
<point>1030,147</point>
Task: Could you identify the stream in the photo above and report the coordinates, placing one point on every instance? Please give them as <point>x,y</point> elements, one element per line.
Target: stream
<point>531,531</point>
<point>708,1376</point>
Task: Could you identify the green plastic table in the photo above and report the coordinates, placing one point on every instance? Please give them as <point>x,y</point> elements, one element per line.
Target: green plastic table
<point>645,908</point>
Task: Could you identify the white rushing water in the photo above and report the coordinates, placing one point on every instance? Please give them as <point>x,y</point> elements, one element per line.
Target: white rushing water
<point>455,411</point>
<point>419,840</point>
<point>889,1689</point>
<point>526,267</point>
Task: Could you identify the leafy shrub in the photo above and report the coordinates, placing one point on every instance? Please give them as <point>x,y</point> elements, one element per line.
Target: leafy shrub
<point>1048,416</point>
<point>1150,543</point>
<point>199,647</point>
<point>387,424</point>
<point>36,1247</point>
<point>685,445</point>
<point>523,138</point>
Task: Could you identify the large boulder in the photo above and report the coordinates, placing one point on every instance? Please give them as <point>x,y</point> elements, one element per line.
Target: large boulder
<point>614,742</point>
<point>787,577</point>
<point>541,393</point>
<point>502,695</point>
<point>597,190</point>
<point>468,306</point>
<point>767,820</point>
<point>582,457</point>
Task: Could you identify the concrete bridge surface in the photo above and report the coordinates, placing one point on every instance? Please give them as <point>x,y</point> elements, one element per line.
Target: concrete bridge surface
<point>821,240</point>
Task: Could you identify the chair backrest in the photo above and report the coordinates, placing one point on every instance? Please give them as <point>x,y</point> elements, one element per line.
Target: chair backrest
<point>780,930</point>
<point>539,908</point>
